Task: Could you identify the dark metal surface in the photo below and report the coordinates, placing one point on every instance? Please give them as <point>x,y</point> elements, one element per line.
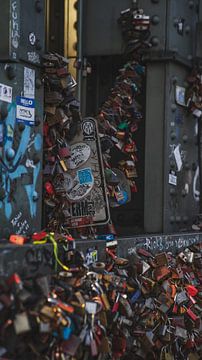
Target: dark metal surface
<point>181,202</point>
<point>181,43</point>
<point>32,38</point>
<point>102,35</point>
<point>169,208</point>
<point>27,260</point>
<point>55,26</point>
<point>22,25</point>
<point>10,29</point>
<point>20,177</point>
<point>153,199</point>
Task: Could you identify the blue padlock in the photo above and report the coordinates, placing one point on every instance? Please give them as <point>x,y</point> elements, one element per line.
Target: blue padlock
<point>135,296</point>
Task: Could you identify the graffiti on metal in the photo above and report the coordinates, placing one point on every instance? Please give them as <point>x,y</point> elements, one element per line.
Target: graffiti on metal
<point>158,243</point>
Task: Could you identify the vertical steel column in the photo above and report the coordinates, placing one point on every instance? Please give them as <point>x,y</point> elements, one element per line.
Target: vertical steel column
<point>80,50</point>
<point>200,120</point>
<point>154,148</point>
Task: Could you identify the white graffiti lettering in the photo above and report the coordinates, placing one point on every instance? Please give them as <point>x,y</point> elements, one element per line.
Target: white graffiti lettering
<point>15,31</point>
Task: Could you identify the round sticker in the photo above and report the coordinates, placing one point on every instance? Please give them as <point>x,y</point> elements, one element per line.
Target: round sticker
<point>80,153</point>
<point>82,185</point>
<point>88,127</point>
<point>32,38</point>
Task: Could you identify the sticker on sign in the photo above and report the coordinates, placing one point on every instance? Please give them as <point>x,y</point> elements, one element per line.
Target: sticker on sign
<point>25,110</point>
<point>85,176</point>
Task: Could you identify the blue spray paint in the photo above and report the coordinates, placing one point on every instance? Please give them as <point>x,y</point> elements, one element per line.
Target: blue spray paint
<point>15,169</point>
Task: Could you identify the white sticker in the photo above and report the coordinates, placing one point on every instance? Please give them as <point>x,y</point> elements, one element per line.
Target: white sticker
<point>6,93</point>
<point>25,110</point>
<point>180,97</point>
<point>29,83</point>
<point>80,153</point>
<point>178,158</point>
<point>172,179</point>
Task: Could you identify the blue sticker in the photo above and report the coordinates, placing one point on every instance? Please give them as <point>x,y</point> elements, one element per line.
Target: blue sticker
<point>85,176</point>
<point>25,110</point>
<point>91,256</point>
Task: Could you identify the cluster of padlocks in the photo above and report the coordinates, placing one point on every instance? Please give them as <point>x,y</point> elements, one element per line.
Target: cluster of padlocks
<point>62,119</point>
<point>118,122</point>
<point>144,307</point>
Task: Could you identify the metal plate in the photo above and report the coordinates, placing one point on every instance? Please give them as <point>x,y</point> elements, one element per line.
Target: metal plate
<point>23,25</point>
<point>102,35</point>
<point>171,199</point>
<point>87,191</point>
<point>10,27</point>
<point>21,154</point>
<point>183,42</point>
<point>181,201</point>
<point>32,40</point>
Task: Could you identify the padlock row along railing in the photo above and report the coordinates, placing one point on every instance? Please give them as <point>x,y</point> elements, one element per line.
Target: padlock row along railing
<point>44,252</point>
<point>146,306</point>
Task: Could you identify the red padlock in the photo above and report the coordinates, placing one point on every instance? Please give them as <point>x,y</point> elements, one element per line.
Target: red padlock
<point>130,148</point>
<point>39,236</point>
<point>49,188</point>
<point>192,290</point>
<point>45,129</point>
<point>64,152</point>
<point>17,239</point>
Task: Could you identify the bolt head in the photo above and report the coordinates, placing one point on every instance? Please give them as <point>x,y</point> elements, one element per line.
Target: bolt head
<point>155,41</point>
<point>155,19</point>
